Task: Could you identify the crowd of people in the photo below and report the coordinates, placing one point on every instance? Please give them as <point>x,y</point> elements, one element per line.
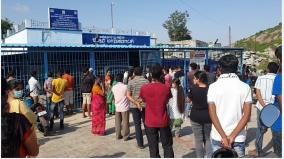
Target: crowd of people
<point>221,106</point>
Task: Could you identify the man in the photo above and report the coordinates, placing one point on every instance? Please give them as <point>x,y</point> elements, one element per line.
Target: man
<point>91,70</point>
<point>11,76</point>
<point>68,94</point>
<point>277,91</point>
<point>86,88</point>
<point>210,76</point>
<point>57,100</point>
<point>229,101</point>
<point>133,90</point>
<point>48,89</point>
<point>34,87</point>
<point>190,74</point>
<point>121,108</point>
<point>156,96</point>
<point>264,96</point>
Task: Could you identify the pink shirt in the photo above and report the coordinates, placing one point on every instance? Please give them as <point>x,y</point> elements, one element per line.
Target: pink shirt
<point>121,102</point>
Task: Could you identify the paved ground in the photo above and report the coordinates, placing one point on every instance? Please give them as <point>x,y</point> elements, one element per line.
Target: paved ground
<point>76,140</point>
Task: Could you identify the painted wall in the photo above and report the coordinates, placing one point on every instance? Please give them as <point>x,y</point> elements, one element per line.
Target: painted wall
<point>18,38</point>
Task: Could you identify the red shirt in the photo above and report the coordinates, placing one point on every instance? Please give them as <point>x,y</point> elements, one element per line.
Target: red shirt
<point>156,97</point>
<point>70,82</point>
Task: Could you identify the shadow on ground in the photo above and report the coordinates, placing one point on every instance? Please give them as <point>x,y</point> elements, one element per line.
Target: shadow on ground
<point>109,131</point>
<point>190,155</point>
<point>251,133</point>
<point>186,131</point>
<point>115,155</point>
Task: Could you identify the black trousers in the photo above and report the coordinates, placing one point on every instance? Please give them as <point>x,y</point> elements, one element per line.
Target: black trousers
<point>137,116</point>
<point>166,139</point>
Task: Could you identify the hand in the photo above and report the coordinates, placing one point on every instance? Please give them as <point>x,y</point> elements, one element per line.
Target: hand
<point>138,104</point>
<point>225,142</point>
<point>231,139</point>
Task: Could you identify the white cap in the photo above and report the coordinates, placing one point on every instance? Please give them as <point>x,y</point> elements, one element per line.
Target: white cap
<point>91,69</point>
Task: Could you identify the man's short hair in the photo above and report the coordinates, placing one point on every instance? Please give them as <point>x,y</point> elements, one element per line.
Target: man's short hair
<point>85,70</point>
<point>59,73</point>
<point>193,66</point>
<point>67,71</point>
<point>11,73</point>
<point>156,71</point>
<point>138,71</point>
<point>119,77</point>
<point>50,74</point>
<point>272,67</point>
<point>33,73</point>
<point>206,68</point>
<point>229,64</point>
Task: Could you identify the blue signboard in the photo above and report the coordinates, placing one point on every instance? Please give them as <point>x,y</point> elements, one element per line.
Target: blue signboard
<point>111,39</point>
<point>63,19</point>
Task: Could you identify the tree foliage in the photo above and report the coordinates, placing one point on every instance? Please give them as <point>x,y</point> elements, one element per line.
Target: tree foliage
<point>176,26</point>
<point>5,25</point>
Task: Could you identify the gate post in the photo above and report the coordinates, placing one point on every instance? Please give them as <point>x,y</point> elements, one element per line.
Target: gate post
<point>45,62</point>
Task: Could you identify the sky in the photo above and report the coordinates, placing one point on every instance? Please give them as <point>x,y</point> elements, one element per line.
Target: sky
<point>208,19</point>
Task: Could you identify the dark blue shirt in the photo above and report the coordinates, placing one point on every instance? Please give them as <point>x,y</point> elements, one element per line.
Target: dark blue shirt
<point>277,91</point>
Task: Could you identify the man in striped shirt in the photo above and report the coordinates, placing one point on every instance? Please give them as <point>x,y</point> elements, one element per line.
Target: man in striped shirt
<point>133,90</point>
<point>263,86</point>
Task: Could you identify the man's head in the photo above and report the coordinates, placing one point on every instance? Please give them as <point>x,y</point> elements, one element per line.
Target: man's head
<point>50,74</point>
<point>33,73</point>
<point>156,72</point>
<point>119,77</point>
<point>86,71</point>
<point>193,66</point>
<point>206,68</point>
<point>228,64</point>
<point>166,70</point>
<point>11,74</point>
<point>67,71</point>
<point>91,70</point>
<point>59,74</point>
<point>272,67</point>
<point>138,71</point>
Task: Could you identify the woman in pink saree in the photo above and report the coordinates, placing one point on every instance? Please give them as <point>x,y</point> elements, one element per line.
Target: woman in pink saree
<point>98,108</point>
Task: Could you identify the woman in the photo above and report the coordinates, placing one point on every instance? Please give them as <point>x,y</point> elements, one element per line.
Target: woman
<point>176,107</point>
<point>199,116</point>
<point>18,138</point>
<point>16,104</point>
<point>98,108</point>
<point>167,76</point>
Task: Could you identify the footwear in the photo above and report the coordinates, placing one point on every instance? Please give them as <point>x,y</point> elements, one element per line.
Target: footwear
<point>61,125</point>
<point>118,138</point>
<point>140,147</point>
<point>127,138</point>
<point>252,153</point>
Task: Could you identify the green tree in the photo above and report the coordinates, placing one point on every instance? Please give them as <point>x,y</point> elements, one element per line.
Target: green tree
<point>176,26</point>
<point>5,25</point>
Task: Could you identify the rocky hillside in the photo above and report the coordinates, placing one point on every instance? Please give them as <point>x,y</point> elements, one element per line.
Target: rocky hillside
<point>263,41</point>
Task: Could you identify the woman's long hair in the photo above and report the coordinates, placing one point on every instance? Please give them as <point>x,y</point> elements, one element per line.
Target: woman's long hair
<point>180,96</point>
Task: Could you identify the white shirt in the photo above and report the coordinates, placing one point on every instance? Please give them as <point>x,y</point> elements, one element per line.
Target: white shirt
<point>229,94</point>
<point>121,102</point>
<point>34,87</point>
<point>265,84</point>
<point>172,106</point>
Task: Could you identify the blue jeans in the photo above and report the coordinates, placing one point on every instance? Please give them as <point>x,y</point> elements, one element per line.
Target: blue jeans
<point>239,147</point>
<point>260,131</point>
<point>48,104</point>
<point>60,106</point>
<point>277,143</point>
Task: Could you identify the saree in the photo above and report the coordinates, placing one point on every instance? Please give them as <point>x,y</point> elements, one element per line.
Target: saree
<point>99,111</point>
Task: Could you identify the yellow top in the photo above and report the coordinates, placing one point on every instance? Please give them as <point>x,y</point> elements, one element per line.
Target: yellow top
<point>18,106</point>
<point>59,84</point>
<point>97,90</point>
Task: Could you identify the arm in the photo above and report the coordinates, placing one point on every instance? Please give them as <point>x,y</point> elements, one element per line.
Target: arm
<point>130,98</point>
<point>259,97</point>
<point>243,122</point>
<point>54,91</point>
<point>31,144</point>
<point>217,124</point>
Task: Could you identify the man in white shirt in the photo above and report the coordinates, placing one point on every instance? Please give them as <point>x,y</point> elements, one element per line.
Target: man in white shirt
<point>229,101</point>
<point>263,86</point>
<point>121,108</point>
<point>34,87</point>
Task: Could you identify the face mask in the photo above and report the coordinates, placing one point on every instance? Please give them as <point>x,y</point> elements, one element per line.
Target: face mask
<point>18,94</point>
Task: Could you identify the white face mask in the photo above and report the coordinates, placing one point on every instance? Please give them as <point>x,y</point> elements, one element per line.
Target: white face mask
<point>18,94</point>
